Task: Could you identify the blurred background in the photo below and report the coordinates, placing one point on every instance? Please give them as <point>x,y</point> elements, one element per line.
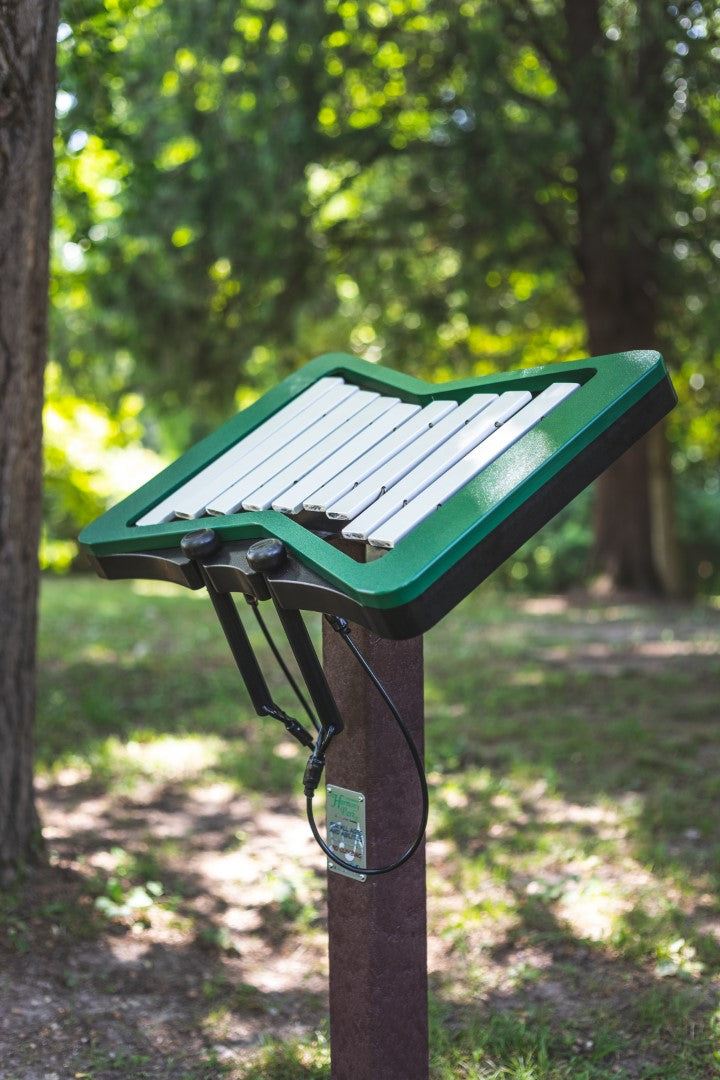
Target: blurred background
<point>450,188</point>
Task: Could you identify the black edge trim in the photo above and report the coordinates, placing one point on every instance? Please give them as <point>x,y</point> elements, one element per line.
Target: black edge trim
<point>229,571</point>
<point>166,564</point>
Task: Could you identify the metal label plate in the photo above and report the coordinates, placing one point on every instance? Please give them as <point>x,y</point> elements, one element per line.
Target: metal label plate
<point>345,815</point>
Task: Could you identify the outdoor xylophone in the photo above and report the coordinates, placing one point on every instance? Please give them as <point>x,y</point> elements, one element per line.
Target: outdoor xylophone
<point>443,483</point>
<point>374,497</point>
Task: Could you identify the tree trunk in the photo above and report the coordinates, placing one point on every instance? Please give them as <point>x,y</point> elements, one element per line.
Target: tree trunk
<point>28,31</point>
<point>634,535</point>
<point>635,544</point>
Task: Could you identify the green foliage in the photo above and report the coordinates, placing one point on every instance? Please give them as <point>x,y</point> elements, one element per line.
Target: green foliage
<point>120,902</point>
<point>556,557</point>
<point>93,456</point>
<point>699,528</point>
<point>295,1060</point>
<point>121,896</point>
<point>400,174</point>
<point>243,185</point>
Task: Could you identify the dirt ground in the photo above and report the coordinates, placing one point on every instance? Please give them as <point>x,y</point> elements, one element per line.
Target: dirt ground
<point>205,982</point>
<point>102,978</point>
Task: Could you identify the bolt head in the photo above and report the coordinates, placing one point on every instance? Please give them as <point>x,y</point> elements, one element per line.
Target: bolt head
<point>268,554</point>
<point>200,544</point>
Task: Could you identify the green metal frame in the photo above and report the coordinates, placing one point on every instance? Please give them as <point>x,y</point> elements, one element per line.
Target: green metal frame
<point>611,385</point>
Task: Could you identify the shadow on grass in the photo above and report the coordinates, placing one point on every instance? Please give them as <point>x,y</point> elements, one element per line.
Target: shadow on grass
<point>601,705</point>
<point>587,1015</point>
<point>122,959</point>
<point>121,669</point>
<point>112,1003</point>
<point>573,757</point>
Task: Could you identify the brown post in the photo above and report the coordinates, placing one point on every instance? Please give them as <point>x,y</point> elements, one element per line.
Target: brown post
<point>377,929</point>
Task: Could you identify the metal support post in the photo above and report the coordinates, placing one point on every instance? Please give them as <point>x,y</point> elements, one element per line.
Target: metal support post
<point>377,928</point>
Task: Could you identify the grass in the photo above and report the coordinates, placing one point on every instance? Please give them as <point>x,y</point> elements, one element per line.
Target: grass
<point>573,760</point>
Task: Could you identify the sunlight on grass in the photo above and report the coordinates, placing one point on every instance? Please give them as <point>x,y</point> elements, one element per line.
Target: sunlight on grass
<point>165,588</point>
<point>294,1060</point>
<point>169,756</point>
<point>574,771</point>
<point>121,765</point>
<point>520,844</point>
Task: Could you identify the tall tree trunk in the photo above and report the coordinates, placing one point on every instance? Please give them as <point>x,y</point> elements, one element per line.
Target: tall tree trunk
<point>634,544</point>
<point>630,495</point>
<point>28,31</point>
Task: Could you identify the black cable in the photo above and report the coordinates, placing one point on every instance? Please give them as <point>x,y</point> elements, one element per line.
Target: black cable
<point>283,666</point>
<point>317,761</point>
<point>292,726</point>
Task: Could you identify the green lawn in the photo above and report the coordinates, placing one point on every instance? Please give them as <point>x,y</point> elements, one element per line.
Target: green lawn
<point>574,845</point>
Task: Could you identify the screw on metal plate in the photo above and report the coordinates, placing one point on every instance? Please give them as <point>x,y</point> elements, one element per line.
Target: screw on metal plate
<point>346,873</point>
<point>345,815</point>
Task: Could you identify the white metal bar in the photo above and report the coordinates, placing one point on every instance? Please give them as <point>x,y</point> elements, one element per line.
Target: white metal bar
<point>393,470</point>
<point>326,496</point>
<point>401,523</point>
<point>230,500</point>
<point>435,464</point>
<point>297,470</point>
<point>192,496</point>
<point>252,452</point>
<point>291,501</point>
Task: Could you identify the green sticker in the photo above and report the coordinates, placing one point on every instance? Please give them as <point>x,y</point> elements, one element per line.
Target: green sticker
<point>345,814</point>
